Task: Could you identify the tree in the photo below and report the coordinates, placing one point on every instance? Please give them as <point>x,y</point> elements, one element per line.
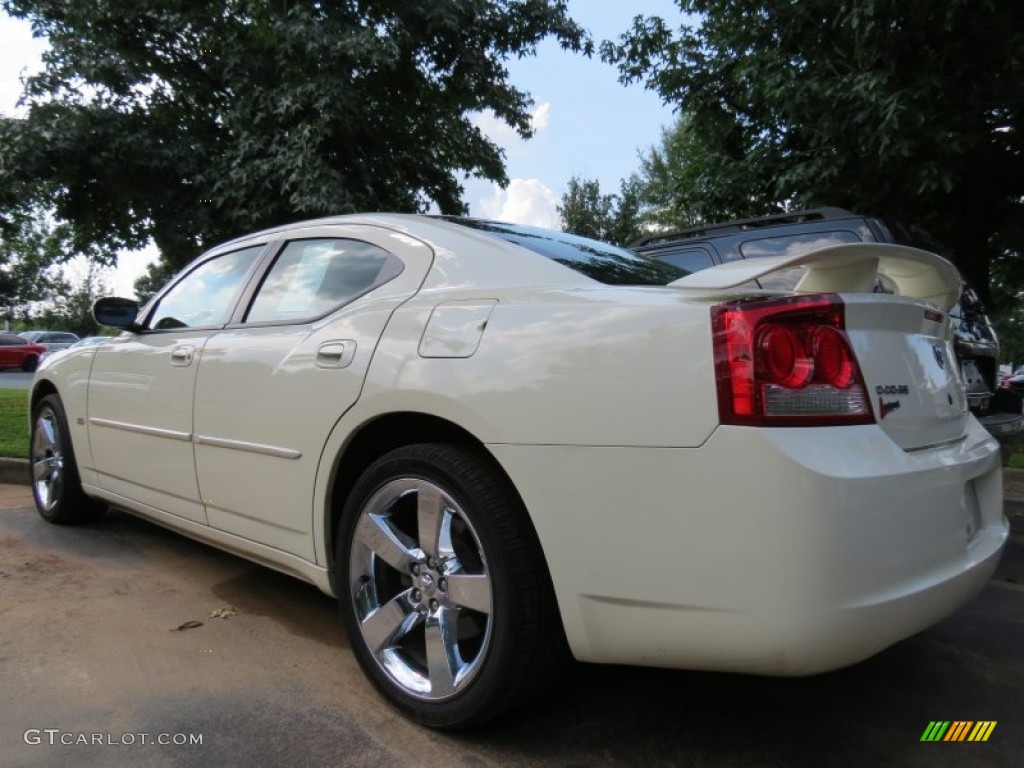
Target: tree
<point>616,219</point>
<point>29,249</point>
<point>901,108</point>
<point>584,210</point>
<point>190,121</point>
<point>73,310</point>
<point>691,178</point>
<point>155,277</point>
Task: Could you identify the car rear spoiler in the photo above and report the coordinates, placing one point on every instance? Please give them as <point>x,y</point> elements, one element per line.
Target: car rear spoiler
<point>852,268</point>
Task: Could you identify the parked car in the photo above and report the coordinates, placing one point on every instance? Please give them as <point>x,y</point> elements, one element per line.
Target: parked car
<point>1015,383</point>
<point>16,352</point>
<point>52,340</point>
<point>976,345</point>
<point>493,443</point>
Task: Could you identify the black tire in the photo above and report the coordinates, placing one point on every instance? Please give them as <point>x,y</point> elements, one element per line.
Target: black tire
<point>29,364</point>
<point>483,596</point>
<point>56,485</point>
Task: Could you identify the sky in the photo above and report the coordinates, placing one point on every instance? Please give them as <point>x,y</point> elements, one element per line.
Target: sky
<point>585,123</point>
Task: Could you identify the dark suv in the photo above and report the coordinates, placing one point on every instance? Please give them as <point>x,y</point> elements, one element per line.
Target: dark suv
<point>789,234</point>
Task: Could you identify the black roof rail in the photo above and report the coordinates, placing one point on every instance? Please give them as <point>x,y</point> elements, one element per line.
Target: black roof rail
<point>739,225</point>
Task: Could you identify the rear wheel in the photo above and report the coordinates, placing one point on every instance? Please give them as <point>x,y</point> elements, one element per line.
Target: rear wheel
<point>56,486</point>
<point>443,588</point>
<point>30,363</point>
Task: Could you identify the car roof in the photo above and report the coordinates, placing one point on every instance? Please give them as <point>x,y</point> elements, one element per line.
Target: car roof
<point>704,231</point>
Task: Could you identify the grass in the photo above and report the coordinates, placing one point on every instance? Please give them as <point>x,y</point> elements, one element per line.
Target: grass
<point>1017,460</point>
<point>14,423</point>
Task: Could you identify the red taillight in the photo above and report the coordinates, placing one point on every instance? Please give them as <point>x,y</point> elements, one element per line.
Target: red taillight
<point>787,362</point>
<point>785,359</point>
<point>833,359</point>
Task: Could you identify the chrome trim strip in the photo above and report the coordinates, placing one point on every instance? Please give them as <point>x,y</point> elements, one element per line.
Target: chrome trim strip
<point>607,600</point>
<point>171,434</point>
<point>940,444</point>
<point>240,445</point>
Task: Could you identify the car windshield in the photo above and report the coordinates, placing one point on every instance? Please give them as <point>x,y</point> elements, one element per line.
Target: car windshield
<point>598,261</point>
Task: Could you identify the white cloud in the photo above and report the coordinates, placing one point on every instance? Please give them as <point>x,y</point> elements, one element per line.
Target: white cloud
<point>505,136</point>
<point>539,117</point>
<point>524,201</point>
<point>118,280</point>
<point>22,55</point>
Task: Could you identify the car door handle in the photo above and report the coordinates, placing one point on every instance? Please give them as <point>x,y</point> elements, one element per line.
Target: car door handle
<point>182,355</point>
<point>335,354</point>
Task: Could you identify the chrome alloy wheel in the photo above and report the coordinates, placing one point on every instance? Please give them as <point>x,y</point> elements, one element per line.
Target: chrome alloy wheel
<point>420,588</point>
<point>47,459</point>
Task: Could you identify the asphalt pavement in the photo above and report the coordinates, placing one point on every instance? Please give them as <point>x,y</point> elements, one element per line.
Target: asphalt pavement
<point>15,379</point>
<point>98,648</point>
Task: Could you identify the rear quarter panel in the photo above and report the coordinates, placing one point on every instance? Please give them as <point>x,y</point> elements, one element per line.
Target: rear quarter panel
<point>601,366</point>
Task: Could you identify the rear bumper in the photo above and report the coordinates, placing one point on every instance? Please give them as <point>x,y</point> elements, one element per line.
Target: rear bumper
<point>771,551</point>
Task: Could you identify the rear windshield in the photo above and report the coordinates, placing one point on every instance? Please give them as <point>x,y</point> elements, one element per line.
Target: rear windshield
<point>598,261</point>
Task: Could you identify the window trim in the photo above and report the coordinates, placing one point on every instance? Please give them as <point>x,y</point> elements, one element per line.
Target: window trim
<point>713,258</point>
<point>237,319</point>
<point>254,269</point>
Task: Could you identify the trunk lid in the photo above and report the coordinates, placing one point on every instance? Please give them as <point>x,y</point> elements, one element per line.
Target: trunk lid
<point>902,340</point>
<point>905,352</point>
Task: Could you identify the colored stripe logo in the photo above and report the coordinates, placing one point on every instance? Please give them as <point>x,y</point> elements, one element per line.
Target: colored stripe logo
<point>958,730</point>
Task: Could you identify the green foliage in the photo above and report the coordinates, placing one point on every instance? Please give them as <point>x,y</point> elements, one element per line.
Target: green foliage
<point>908,109</point>
<point>14,423</point>
<point>190,121</point>
<point>690,178</point>
<point>29,249</point>
<point>616,219</point>
<point>156,277</point>
<point>73,310</point>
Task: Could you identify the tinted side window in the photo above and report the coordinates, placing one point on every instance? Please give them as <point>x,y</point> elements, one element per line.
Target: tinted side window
<point>690,261</point>
<point>794,245</point>
<point>309,278</point>
<point>207,294</point>
<point>599,261</point>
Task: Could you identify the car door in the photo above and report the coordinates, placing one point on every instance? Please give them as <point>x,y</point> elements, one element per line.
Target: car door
<point>272,385</point>
<point>9,352</point>
<point>142,385</point>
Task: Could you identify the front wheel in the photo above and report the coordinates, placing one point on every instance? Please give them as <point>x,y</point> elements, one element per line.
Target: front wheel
<point>56,486</point>
<point>443,588</point>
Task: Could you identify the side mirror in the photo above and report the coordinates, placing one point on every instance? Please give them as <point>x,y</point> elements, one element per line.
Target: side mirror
<point>120,313</point>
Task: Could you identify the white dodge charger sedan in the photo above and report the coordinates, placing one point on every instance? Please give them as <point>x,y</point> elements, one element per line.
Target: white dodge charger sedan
<point>497,445</point>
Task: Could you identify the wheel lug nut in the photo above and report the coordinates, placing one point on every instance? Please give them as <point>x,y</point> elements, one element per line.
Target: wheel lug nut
<point>442,584</point>
<point>433,605</point>
<point>416,595</point>
<point>416,569</point>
